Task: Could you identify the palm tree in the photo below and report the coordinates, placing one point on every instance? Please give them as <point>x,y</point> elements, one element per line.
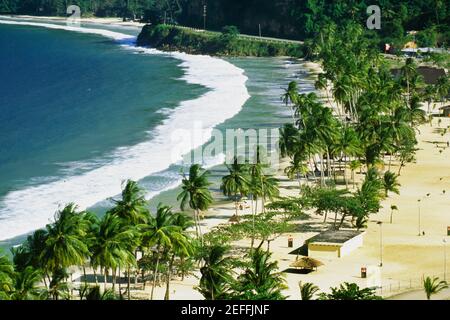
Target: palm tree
<point>6,277</point>
<point>433,286</point>
<point>393,208</point>
<point>287,139</point>
<point>350,291</point>
<point>95,294</point>
<point>132,207</point>
<point>270,189</point>
<point>26,285</point>
<point>196,193</point>
<point>132,211</point>
<point>162,233</point>
<point>58,287</point>
<point>297,169</point>
<point>347,145</point>
<point>408,73</point>
<point>442,88</point>
<point>390,183</point>
<point>216,273</point>
<point>114,246</point>
<point>261,280</point>
<point>181,245</point>
<point>29,253</point>
<point>354,165</point>
<point>290,97</point>
<point>65,245</point>
<point>308,290</point>
<point>236,182</point>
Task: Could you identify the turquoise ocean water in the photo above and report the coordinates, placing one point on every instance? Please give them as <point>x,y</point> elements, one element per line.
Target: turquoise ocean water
<point>76,107</point>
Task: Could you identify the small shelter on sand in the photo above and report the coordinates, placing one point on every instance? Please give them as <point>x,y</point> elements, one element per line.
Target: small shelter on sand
<point>234,219</point>
<point>306,263</point>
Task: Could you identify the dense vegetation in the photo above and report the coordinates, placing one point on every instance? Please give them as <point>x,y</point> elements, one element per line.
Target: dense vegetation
<point>292,19</point>
<point>174,38</point>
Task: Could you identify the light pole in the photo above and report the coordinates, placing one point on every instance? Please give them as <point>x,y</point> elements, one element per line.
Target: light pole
<point>445,259</point>
<point>420,208</point>
<point>419,201</point>
<point>204,16</point>
<point>380,223</point>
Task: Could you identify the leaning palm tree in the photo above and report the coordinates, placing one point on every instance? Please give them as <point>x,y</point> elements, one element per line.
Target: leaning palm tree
<point>270,189</point>
<point>196,193</point>
<point>433,286</point>
<point>307,290</point>
<point>236,183</point>
<point>390,183</point>
<point>290,97</point>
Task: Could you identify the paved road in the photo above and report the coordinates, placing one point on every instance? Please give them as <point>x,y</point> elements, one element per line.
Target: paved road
<point>268,39</point>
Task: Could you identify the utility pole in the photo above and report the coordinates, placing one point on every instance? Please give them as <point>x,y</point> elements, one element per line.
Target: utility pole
<point>445,259</point>
<point>260,33</point>
<point>420,213</point>
<point>420,231</point>
<point>205,8</point>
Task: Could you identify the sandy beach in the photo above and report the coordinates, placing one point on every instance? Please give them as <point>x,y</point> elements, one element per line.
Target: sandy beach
<point>407,257</point>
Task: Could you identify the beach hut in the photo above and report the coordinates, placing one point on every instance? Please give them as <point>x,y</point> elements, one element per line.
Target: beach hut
<point>335,243</point>
<point>306,263</point>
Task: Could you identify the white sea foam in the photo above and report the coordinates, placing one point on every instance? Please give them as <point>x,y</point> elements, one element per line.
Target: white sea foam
<point>25,210</point>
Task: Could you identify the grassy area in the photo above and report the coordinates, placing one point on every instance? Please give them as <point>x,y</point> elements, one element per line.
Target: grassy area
<point>171,38</point>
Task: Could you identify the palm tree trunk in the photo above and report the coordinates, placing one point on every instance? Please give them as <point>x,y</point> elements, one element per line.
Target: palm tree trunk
<point>353,179</point>
<point>120,283</point>
<point>328,163</point>
<point>335,219</point>
<point>169,276</point>
<point>84,275</point>
<point>105,276</point>
<point>236,203</point>
<point>199,227</point>
<point>345,171</point>
<point>155,273</point>
<point>129,283</point>
<point>322,173</point>
<point>253,229</point>
<point>95,276</point>
<point>114,280</point>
